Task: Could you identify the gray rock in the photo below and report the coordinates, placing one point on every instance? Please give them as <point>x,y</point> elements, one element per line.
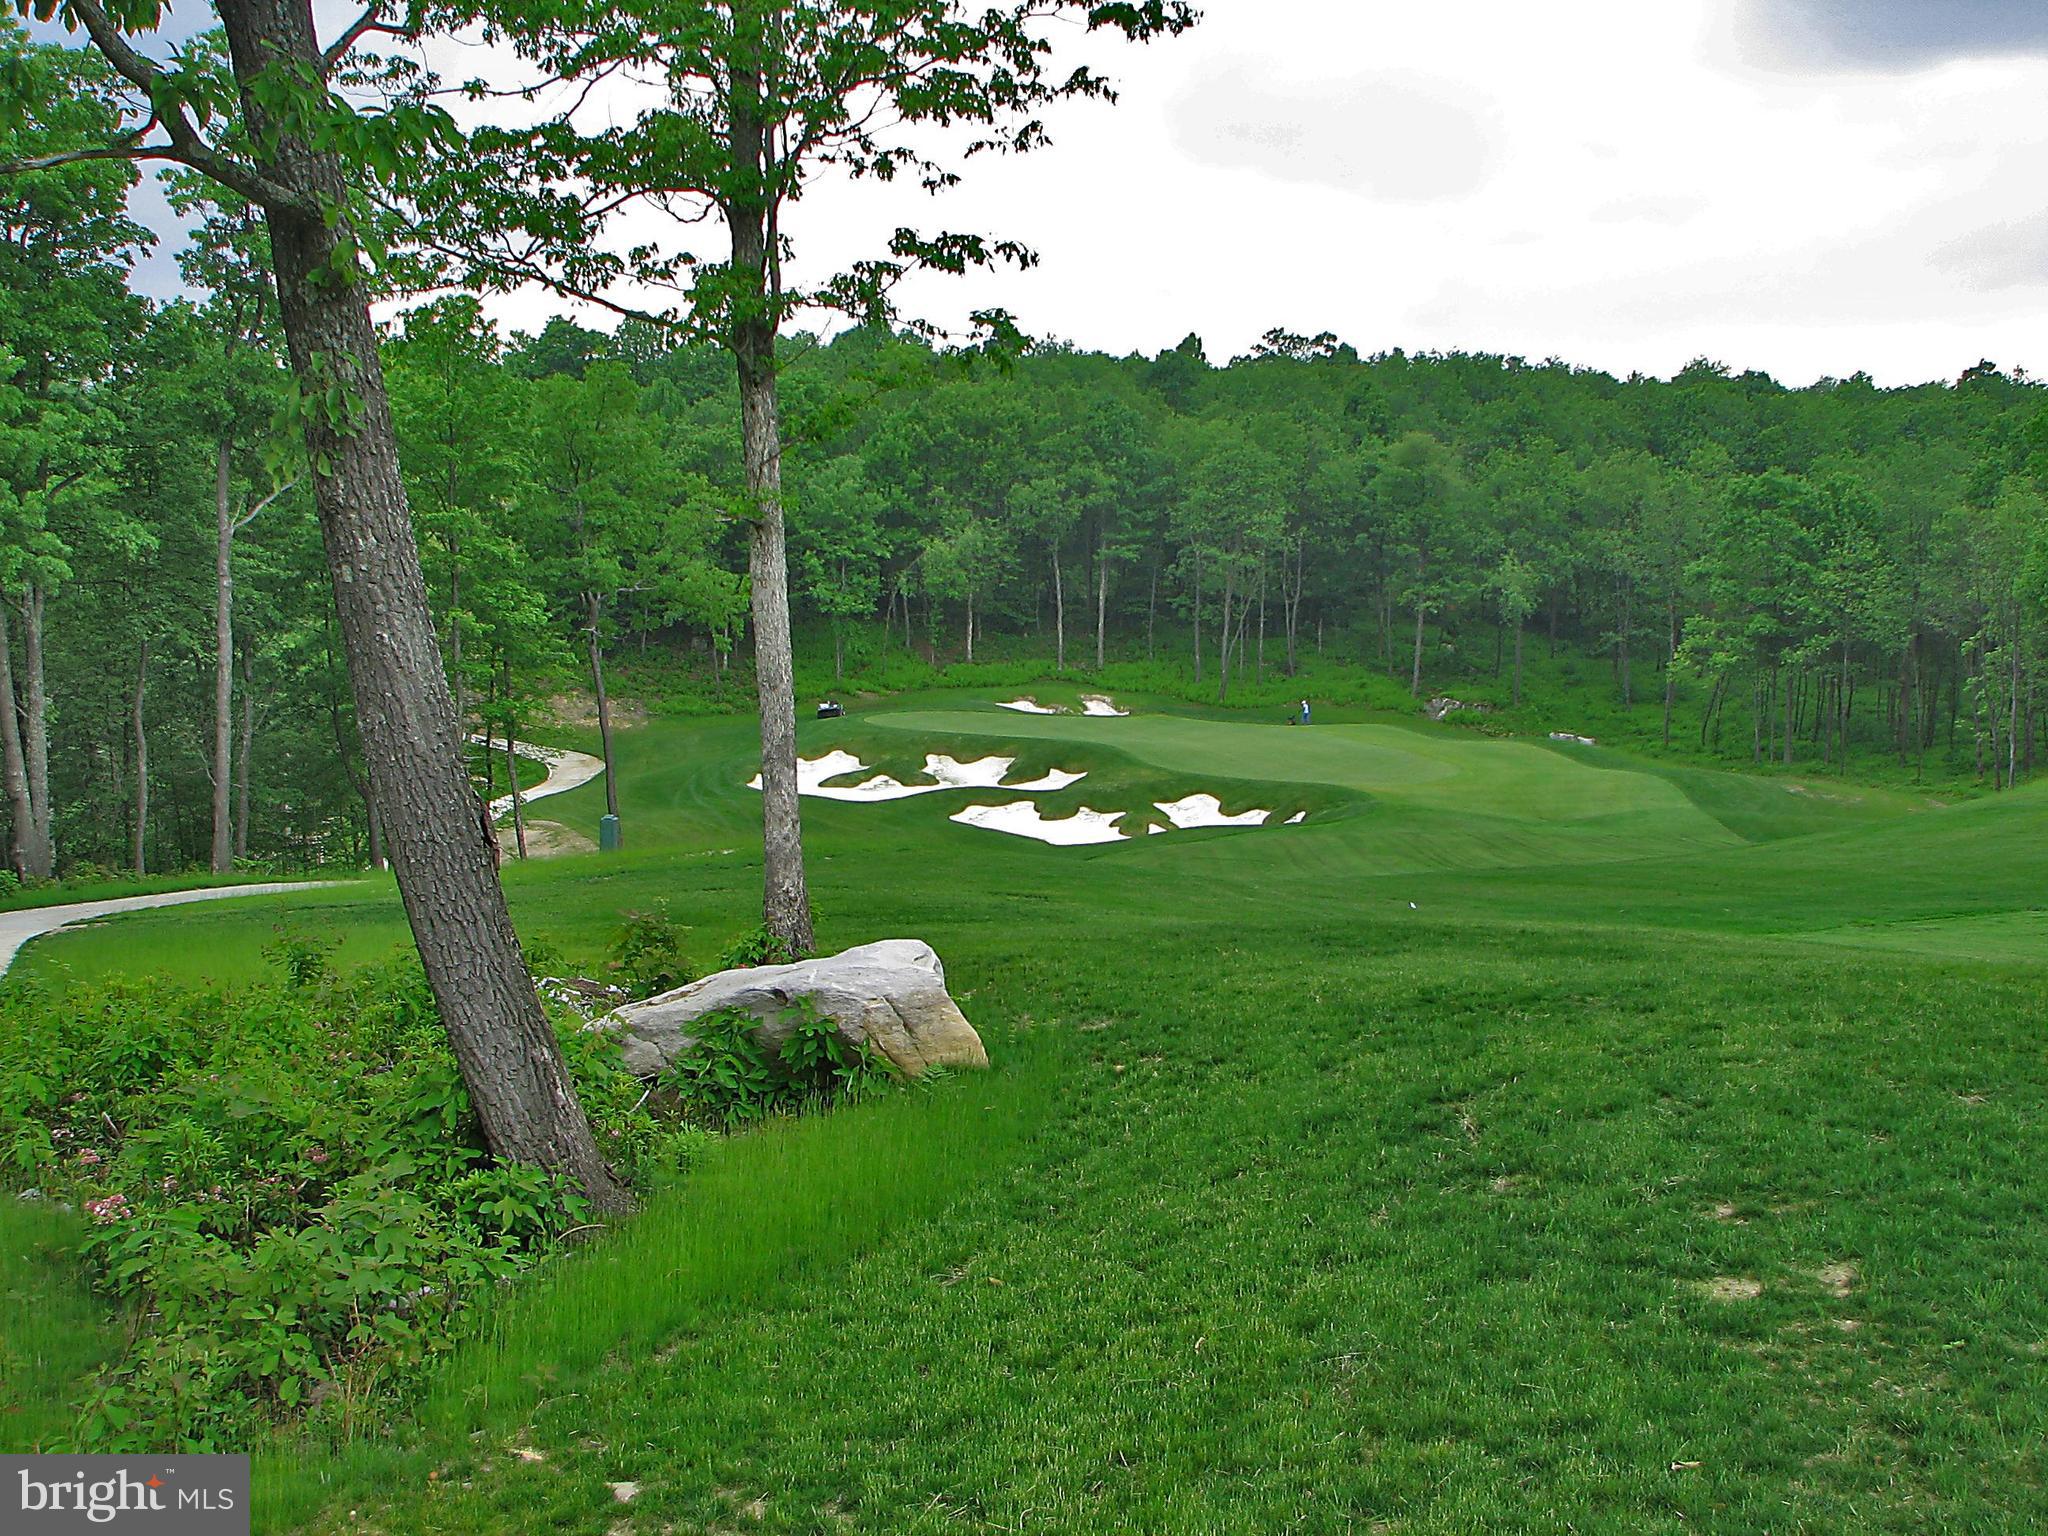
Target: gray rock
<point>891,993</point>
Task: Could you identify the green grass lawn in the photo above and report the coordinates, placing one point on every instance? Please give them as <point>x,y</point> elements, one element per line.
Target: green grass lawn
<point>1533,1140</point>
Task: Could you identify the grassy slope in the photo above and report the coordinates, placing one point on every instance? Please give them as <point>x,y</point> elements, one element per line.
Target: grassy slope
<point>1299,1207</point>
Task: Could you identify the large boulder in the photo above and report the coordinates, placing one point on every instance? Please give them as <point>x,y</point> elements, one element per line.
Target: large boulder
<point>891,994</point>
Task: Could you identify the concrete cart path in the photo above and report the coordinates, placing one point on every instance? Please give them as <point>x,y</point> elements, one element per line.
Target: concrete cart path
<point>17,928</point>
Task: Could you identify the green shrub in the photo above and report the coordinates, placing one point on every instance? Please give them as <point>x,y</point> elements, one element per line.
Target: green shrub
<point>285,1184</point>
<point>757,946</point>
<point>647,953</point>
<point>730,1077</point>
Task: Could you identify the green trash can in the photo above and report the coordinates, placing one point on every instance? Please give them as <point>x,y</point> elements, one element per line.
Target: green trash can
<point>608,834</point>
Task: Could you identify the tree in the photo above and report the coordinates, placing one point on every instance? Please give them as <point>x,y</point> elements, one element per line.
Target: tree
<point>65,246</point>
<point>272,132</point>
<point>1421,495</point>
<point>757,99</point>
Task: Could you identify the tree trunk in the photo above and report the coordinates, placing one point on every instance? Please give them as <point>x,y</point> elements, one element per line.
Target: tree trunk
<point>1059,614</point>
<point>1628,623</point>
<point>1223,645</point>
<point>1262,624</point>
<point>970,624</point>
<point>518,801</point>
<point>785,901</point>
<point>141,849</point>
<point>1415,672</point>
<point>246,755</point>
<point>1198,614</point>
<point>36,724</point>
<point>1517,694</point>
<point>441,843</point>
<point>28,859</point>
<point>1152,606</point>
<point>595,613</point>
<point>1670,666</point>
<point>1789,679</point>
<point>1101,600</point>
<point>223,656</point>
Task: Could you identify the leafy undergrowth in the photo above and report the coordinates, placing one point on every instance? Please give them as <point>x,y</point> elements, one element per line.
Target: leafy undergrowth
<point>284,1190</point>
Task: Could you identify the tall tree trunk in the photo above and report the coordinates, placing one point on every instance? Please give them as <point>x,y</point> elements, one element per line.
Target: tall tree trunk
<point>1262,623</point>
<point>1152,606</point>
<point>1670,665</point>
<point>223,655</point>
<point>245,756</point>
<point>36,728</point>
<point>1628,623</point>
<point>970,624</point>
<point>595,612</point>
<point>1101,600</point>
<point>785,897</point>
<point>1223,644</point>
<point>1059,614</point>
<point>27,858</point>
<point>1517,694</point>
<point>141,849</point>
<point>441,843</point>
<point>518,800</point>
<point>1415,671</point>
<point>1790,678</point>
<point>1198,614</point>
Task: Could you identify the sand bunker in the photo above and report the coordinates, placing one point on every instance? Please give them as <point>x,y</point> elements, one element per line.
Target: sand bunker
<point>1100,704</point>
<point>1028,707</point>
<point>1021,819</point>
<point>1574,737</point>
<point>947,773</point>
<point>1296,819</point>
<point>1207,811</point>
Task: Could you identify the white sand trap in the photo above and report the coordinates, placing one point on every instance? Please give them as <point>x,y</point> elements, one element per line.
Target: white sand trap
<point>982,773</point>
<point>1053,778</point>
<point>1584,741</point>
<point>1100,704</point>
<point>1296,819</point>
<point>1154,827</point>
<point>1029,707</point>
<point>1021,819</point>
<point>947,773</point>
<point>1207,811</point>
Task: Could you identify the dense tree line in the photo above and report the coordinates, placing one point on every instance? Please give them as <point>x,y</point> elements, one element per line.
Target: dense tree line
<point>1820,571</point>
<point>1828,567</point>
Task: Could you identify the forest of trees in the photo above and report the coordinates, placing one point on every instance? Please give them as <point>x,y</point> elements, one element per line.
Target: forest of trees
<point>1822,571</point>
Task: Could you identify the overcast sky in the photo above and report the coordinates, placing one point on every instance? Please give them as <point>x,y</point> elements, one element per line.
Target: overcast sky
<point>1810,187</point>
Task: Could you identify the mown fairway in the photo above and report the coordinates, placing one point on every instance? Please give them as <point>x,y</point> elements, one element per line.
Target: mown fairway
<point>1531,1140</point>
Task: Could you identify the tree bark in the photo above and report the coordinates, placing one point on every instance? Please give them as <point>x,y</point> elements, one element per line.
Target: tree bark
<point>141,849</point>
<point>1223,645</point>
<point>1059,613</point>
<point>1415,673</point>
<point>245,757</point>
<point>595,611</point>
<point>518,800</point>
<point>785,902</point>
<point>36,729</point>
<point>1517,686</point>
<point>440,841</point>
<point>1198,613</point>
<point>1101,600</point>
<point>1670,666</point>
<point>223,656</point>
<point>29,861</point>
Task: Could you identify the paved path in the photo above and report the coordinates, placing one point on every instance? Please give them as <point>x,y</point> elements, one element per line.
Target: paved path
<point>566,771</point>
<point>17,928</point>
